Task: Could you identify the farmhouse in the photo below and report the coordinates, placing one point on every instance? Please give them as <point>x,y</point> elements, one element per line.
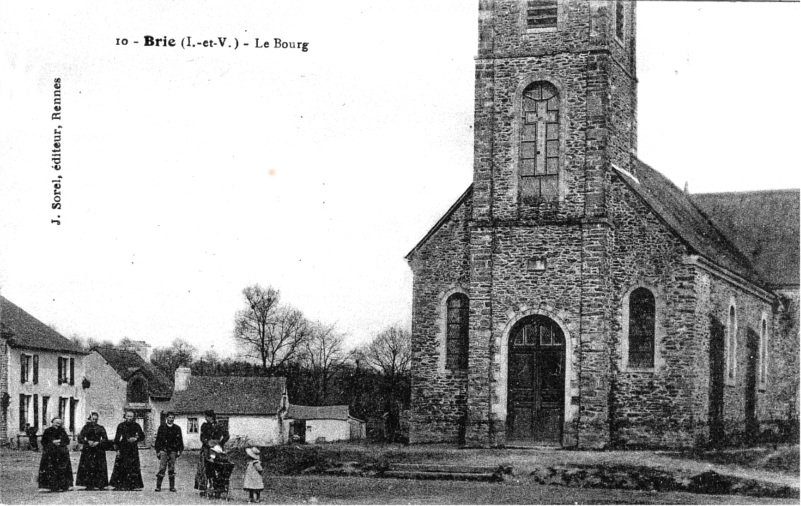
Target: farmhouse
<point>41,375</point>
<point>252,407</point>
<point>122,380</point>
<point>573,296</point>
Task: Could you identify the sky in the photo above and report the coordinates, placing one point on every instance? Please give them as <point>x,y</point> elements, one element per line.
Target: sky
<point>189,174</point>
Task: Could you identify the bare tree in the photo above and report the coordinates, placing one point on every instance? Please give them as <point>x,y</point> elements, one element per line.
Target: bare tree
<point>267,331</point>
<point>322,353</point>
<point>180,353</point>
<point>390,353</point>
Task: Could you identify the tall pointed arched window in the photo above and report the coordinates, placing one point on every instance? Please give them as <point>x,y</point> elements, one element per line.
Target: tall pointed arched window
<point>642,328</point>
<point>763,354</point>
<point>731,344</point>
<point>457,337</point>
<point>539,143</point>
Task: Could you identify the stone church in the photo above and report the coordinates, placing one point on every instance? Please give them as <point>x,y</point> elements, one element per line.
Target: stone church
<point>573,296</point>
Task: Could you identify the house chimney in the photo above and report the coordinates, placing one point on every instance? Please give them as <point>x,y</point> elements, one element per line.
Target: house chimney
<point>141,348</point>
<point>182,377</point>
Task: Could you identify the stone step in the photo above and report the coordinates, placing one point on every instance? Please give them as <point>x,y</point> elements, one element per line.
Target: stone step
<point>429,475</point>
<point>446,468</point>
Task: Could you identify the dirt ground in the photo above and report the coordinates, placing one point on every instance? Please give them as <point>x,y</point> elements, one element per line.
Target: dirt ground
<point>18,473</point>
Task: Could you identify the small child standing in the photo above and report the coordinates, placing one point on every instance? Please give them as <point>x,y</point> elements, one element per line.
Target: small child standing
<point>254,483</point>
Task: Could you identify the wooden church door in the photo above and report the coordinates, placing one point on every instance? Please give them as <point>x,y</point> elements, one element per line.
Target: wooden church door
<point>536,381</point>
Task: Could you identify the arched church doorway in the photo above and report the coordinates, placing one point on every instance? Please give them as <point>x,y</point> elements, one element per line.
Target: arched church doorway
<point>536,381</point>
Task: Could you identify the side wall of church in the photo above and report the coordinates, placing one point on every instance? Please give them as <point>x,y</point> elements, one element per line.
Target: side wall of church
<point>651,406</point>
<point>716,295</point>
<point>781,390</point>
<point>441,267</point>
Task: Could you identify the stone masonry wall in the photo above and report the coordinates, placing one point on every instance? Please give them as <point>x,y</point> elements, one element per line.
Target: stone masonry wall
<point>652,407</point>
<point>781,392</point>
<point>440,267</point>
<point>716,295</point>
<point>4,371</point>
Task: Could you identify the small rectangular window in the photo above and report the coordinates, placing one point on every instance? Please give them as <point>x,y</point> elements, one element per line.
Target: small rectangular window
<point>191,425</point>
<point>541,13</point>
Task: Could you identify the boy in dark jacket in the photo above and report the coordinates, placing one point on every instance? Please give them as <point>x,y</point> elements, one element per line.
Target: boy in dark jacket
<point>169,445</point>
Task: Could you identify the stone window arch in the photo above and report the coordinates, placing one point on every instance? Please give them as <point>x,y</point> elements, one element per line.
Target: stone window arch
<point>540,142</point>
<point>642,325</point>
<point>731,344</point>
<point>137,390</point>
<point>457,309</point>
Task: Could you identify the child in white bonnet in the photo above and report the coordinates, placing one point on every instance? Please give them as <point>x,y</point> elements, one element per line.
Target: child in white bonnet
<point>254,483</point>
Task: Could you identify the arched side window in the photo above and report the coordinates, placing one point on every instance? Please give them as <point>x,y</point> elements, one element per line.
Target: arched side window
<point>539,143</point>
<point>763,354</point>
<point>456,345</point>
<point>731,344</point>
<point>642,328</point>
<point>137,390</point>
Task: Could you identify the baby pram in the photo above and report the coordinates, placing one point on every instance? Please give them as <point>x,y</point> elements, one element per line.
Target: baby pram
<point>218,478</point>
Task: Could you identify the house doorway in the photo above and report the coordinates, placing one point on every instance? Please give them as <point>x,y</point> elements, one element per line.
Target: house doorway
<point>297,431</point>
<point>536,382</point>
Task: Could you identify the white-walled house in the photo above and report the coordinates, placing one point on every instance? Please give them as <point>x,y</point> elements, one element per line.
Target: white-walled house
<point>124,379</point>
<point>253,407</point>
<point>41,375</point>
<point>322,424</point>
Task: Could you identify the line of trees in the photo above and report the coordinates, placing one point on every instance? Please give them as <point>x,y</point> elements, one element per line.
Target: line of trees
<point>273,338</point>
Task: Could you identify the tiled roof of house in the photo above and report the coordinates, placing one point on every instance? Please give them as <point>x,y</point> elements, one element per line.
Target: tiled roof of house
<point>318,412</point>
<point>677,210</point>
<point>230,395</point>
<point>764,225</point>
<point>127,363</point>
<point>24,331</point>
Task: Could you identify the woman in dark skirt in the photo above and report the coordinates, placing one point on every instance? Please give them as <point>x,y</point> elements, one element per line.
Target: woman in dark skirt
<point>92,470</point>
<point>55,469</point>
<point>212,433</point>
<point>127,474</point>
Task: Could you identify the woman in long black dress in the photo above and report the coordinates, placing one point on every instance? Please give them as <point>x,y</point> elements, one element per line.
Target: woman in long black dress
<point>55,469</point>
<point>127,475</point>
<point>92,470</point>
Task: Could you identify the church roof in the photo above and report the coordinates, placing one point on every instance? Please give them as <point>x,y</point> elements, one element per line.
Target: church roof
<point>231,395</point>
<point>764,225</point>
<point>24,331</point>
<point>677,210</point>
<point>445,217</point>
<point>127,363</point>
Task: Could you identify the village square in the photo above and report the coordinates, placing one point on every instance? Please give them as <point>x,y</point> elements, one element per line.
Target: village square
<point>582,330</point>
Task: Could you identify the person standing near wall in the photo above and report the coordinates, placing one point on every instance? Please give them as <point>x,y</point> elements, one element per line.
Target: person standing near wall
<point>169,445</point>
<point>31,433</point>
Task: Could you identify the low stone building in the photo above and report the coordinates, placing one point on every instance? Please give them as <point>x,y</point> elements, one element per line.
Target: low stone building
<point>322,424</point>
<point>574,296</point>
<point>41,376</point>
<point>251,407</point>
<point>122,380</point>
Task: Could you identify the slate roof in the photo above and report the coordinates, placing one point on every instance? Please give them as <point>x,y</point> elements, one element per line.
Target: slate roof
<point>318,412</point>
<point>764,225</point>
<point>678,211</point>
<point>230,395</point>
<point>127,363</point>
<point>26,331</point>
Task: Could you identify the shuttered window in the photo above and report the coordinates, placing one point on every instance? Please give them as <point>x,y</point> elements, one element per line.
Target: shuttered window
<point>541,13</point>
<point>36,369</point>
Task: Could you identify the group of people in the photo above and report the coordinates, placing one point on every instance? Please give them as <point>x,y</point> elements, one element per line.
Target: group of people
<point>55,469</point>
